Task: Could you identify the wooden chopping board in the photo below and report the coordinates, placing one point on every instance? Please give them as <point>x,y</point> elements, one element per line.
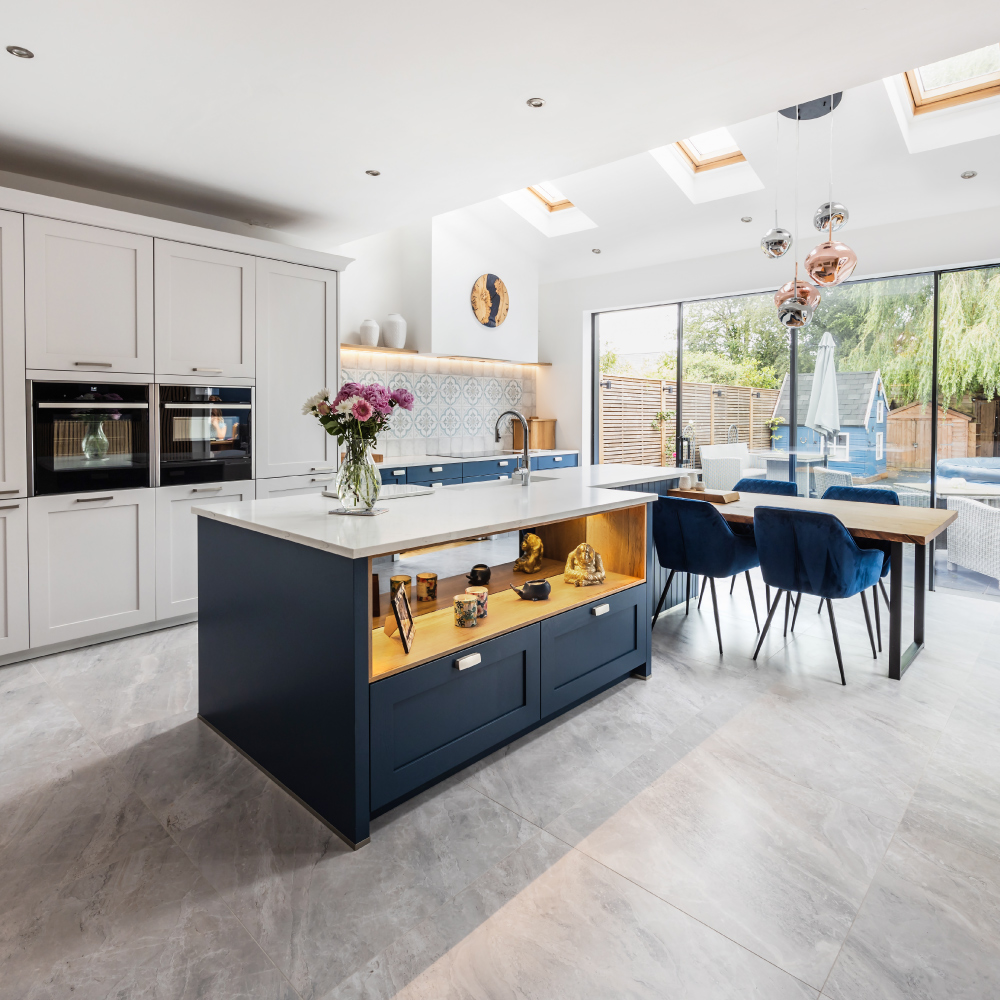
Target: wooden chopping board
<point>712,496</point>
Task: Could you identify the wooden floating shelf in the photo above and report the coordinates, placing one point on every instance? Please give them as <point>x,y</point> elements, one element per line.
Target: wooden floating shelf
<point>437,635</point>
<point>444,357</point>
<point>377,350</point>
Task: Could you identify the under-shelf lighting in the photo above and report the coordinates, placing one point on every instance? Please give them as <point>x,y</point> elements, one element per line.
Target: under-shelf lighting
<point>444,357</point>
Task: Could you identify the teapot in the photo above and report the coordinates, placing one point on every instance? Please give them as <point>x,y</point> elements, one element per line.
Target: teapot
<point>480,575</point>
<point>533,590</point>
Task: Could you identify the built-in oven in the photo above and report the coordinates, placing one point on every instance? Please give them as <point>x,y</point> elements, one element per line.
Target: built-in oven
<point>204,433</point>
<point>87,436</point>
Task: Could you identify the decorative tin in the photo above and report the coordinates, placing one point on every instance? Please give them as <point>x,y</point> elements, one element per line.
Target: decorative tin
<point>482,595</point>
<point>427,587</point>
<point>395,582</point>
<point>466,606</point>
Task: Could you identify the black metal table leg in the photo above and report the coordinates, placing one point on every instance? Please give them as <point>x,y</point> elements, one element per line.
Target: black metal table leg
<point>895,610</point>
<point>919,589</point>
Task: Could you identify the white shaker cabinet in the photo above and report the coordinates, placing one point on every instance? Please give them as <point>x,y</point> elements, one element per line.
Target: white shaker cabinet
<point>88,298</point>
<point>91,563</point>
<point>297,356</point>
<point>177,541</point>
<point>204,307</point>
<point>13,460</point>
<point>13,576</point>
<point>293,486</point>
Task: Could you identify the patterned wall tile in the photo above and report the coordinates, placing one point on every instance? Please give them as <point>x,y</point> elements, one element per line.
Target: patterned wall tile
<point>450,423</point>
<point>450,389</point>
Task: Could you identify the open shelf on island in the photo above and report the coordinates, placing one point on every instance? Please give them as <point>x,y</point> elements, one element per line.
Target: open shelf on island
<point>620,538</point>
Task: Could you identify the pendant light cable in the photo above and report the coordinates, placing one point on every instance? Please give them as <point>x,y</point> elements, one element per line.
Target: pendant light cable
<point>831,153</point>
<point>777,161</point>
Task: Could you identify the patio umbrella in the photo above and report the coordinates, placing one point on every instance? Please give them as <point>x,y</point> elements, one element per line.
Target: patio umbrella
<point>824,407</point>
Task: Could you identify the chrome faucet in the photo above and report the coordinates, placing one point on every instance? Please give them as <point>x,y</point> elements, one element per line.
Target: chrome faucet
<point>524,471</point>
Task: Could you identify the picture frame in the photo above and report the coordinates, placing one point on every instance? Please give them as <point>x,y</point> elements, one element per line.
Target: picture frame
<point>404,618</point>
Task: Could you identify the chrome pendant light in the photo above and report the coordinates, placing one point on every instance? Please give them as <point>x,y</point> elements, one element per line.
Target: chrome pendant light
<point>830,211</point>
<point>776,242</point>
<point>796,301</point>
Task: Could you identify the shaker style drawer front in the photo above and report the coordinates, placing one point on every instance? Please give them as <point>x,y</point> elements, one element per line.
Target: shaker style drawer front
<point>483,479</point>
<point>554,462</point>
<point>439,472</point>
<point>393,475</point>
<point>435,717</point>
<point>493,467</point>
<point>588,647</point>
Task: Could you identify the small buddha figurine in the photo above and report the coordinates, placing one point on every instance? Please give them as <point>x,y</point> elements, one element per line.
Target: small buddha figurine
<point>584,567</point>
<point>531,555</point>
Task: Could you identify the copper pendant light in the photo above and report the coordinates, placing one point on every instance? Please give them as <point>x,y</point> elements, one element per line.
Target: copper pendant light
<point>796,301</point>
<point>832,262</point>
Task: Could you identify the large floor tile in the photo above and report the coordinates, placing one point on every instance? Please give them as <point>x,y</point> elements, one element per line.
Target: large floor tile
<point>777,867</point>
<point>929,928</point>
<point>575,931</point>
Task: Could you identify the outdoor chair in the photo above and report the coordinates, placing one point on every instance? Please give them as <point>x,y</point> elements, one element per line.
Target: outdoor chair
<point>974,537</point>
<point>825,478</point>
<point>813,553</point>
<point>723,464</point>
<point>691,536</point>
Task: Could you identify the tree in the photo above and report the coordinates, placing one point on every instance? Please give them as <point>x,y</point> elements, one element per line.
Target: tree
<point>744,328</point>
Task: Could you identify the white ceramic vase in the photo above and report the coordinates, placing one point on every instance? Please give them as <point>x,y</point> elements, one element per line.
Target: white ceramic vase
<point>394,331</point>
<point>368,333</point>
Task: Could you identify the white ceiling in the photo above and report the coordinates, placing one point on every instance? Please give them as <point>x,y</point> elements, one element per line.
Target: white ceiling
<point>273,111</point>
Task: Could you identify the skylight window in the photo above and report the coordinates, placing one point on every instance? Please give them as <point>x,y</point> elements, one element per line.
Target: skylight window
<point>550,196</point>
<point>709,150</point>
<point>958,80</point>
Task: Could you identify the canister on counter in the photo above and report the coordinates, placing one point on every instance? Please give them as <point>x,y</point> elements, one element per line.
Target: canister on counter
<point>427,587</point>
<point>466,606</point>
<point>482,597</point>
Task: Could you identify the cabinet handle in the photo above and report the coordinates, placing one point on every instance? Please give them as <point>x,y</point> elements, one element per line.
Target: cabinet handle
<point>601,609</point>
<point>94,364</point>
<point>92,499</point>
<point>3,492</point>
<point>503,477</point>
<point>437,468</point>
<point>472,660</point>
<point>558,458</point>
<point>399,472</point>
<point>321,470</point>
<point>213,371</point>
<point>205,489</point>
<point>503,465</point>
<point>437,484</point>
<point>316,479</point>
<point>11,506</point>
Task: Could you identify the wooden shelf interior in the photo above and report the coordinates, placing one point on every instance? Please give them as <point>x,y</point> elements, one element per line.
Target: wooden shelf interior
<point>619,536</point>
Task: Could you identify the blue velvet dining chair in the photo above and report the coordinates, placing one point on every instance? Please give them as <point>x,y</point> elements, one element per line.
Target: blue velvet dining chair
<point>862,494</point>
<point>811,552</point>
<point>691,536</point>
<point>772,487</point>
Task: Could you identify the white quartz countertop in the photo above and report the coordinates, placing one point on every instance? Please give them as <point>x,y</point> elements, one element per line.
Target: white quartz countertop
<point>447,514</point>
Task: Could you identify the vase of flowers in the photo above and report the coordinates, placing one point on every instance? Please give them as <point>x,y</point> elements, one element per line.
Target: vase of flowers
<point>355,416</point>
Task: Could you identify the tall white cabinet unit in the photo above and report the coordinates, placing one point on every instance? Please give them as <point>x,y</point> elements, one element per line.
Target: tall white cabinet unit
<point>177,541</point>
<point>91,563</point>
<point>88,298</point>
<point>13,576</point>
<point>204,311</point>
<point>297,356</point>
<point>13,461</point>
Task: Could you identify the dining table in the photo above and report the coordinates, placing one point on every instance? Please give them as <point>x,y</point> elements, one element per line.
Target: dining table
<point>897,525</point>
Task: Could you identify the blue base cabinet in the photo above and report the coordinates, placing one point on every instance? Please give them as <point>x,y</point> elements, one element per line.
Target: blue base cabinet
<point>433,718</point>
<point>585,649</point>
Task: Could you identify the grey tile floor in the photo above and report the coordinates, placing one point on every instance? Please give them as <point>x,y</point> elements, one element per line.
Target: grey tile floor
<point>723,830</point>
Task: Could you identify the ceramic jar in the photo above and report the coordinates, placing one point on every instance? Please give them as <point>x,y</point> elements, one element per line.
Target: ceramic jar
<point>466,609</point>
<point>394,331</point>
<point>482,595</point>
<point>368,333</point>
<point>427,587</point>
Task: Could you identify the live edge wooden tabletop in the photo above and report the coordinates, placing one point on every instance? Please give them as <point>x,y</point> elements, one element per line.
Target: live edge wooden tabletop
<point>888,522</point>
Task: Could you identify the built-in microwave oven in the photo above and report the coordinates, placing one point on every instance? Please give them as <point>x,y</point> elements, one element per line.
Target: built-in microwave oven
<point>204,433</point>
<point>89,436</point>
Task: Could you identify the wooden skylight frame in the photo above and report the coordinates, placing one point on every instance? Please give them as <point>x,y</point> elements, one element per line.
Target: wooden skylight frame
<point>701,163</point>
<point>949,97</point>
<point>550,205</point>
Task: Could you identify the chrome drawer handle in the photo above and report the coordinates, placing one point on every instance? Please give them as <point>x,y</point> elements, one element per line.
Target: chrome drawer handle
<point>503,465</point>
<point>11,506</point>
<point>325,479</point>
<point>472,660</point>
<point>401,472</point>
<point>92,499</point>
<point>214,371</point>
<point>205,489</point>
<point>437,468</point>
<point>5,492</point>
<point>321,470</point>
<point>94,364</point>
<point>601,609</point>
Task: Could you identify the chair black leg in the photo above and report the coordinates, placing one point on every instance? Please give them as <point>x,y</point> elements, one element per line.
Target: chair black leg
<point>715,608</point>
<point>663,597</point>
<point>836,641</point>
<point>732,583</point>
<point>788,604</point>
<point>795,615</point>
<point>878,619</point>
<point>687,594</point>
<point>884,594</point>
<point>868,622</point>
<point>701,593</point>
<point>753,603</point>
<point>819,610</point>
<point>767,624</point>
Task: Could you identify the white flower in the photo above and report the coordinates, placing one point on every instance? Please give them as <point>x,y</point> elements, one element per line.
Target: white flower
<point>310,404</point>
<point>346,405</point>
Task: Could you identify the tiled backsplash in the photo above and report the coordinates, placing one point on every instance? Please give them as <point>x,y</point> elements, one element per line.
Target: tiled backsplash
<point>456,403</point>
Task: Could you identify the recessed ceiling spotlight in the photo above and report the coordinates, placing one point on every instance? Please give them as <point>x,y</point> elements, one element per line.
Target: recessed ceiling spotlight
<point>595,250</point>
<point>967,175</point>
<point>373,173</point>
<point>746,218</point>
<point>21,53</point>
<point>535,102</point>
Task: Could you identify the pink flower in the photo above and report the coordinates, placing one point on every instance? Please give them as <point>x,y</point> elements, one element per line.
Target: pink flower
<point>347,390</point>
<point>362,410</point>
<point>403,398</point>
<point>378,396</point>
<point>323,407</point>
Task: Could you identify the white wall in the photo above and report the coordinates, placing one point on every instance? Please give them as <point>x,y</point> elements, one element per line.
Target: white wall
<point>391,273</point>
<point>564,308</point>
<point>465,245</point>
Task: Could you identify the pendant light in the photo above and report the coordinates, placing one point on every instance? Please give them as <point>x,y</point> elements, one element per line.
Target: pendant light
<point>776,241</point>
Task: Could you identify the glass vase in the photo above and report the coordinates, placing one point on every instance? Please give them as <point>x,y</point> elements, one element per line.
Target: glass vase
<point>358,482</point>
<point>95,441</point>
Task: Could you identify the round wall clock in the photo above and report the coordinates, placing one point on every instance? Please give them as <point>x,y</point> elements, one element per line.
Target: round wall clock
<point>489,300</point>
